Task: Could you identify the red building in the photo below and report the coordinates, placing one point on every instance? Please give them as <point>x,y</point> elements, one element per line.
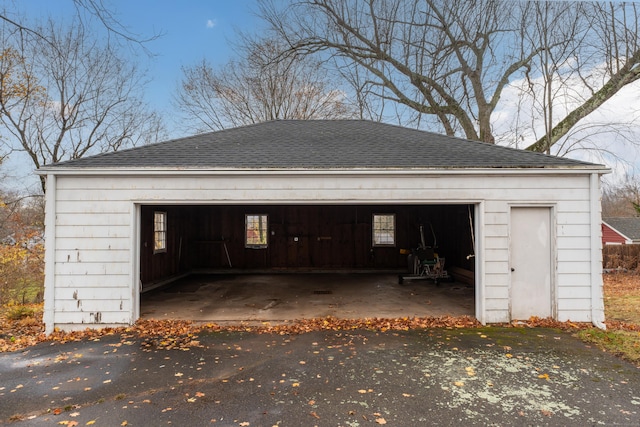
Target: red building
<point>620,231</point>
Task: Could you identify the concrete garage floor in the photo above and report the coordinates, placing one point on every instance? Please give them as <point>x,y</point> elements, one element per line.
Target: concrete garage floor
<point>222,298</point>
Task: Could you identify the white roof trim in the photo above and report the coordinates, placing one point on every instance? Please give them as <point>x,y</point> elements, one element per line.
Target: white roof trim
<point>324,171</point>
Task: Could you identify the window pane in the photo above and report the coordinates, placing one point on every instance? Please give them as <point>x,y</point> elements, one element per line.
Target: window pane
<point>256,231</point>
<point>159,231</point>
<point>384,229</point>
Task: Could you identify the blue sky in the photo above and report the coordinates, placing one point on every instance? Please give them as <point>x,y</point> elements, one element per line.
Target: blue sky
<point>191,30</point>
<point>196,29</point>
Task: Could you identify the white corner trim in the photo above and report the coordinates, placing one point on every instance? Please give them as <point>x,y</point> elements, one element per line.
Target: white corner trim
<point>48,315</point>
<point>597,299</point>
<point>481,313</point>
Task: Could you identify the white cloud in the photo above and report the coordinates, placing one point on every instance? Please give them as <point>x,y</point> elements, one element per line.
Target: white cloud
<point>610,135</point>
<point>211,23</point>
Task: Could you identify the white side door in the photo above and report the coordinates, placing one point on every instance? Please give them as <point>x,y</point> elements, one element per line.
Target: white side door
<point>531,262</point>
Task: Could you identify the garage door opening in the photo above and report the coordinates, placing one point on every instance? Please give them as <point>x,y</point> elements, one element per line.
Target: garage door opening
<point>266,260</point>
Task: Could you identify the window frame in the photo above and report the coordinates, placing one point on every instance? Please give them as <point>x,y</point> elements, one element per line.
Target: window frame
<point>376,230</point>
<point>262,219</point>
<point>159,233</point>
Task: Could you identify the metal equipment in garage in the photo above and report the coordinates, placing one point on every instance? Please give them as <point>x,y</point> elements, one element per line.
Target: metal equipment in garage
<point>424,263</point>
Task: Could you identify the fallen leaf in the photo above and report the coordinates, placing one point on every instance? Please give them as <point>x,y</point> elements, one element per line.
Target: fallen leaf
<point>381,421</point>
<point>544,377</point>
<point>458,383</point>
<point>90,423</point>
<point>314,415</point>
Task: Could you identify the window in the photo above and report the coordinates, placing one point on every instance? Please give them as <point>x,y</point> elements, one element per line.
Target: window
<point>159,232</point>
<point>256,228</point>
<point>384,229</point>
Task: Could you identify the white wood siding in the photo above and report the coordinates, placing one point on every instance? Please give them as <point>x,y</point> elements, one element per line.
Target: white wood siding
<point>94,245</point>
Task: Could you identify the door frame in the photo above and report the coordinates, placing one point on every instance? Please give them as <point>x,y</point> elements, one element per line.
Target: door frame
<point>553,249</point>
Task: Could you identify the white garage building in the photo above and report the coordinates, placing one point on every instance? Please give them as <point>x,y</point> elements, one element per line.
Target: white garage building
<point>322,196</point>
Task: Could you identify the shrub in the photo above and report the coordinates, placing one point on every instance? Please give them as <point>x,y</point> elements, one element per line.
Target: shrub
<point>20,312</point>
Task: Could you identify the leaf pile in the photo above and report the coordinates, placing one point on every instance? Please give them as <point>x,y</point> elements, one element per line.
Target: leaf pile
<point>166,335</point>
<point>548,322</point>
<point>182,335</point>
<point>331,323</point>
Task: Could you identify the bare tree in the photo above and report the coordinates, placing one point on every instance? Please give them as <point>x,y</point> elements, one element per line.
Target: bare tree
<point>621,200</point>
<point>438,58</point>
<point>452,60</point>
<point>263,84</point>
<point>605,59</point>
<point>86,12</point>
<point>65,95</point>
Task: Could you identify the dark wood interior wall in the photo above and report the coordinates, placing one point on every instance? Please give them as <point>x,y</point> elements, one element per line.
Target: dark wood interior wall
<point>328,237</point>
<point>155,267</point>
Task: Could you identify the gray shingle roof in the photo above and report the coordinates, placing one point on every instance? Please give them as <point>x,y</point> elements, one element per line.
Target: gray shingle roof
<point>630,227</point>
<point>321,144</point>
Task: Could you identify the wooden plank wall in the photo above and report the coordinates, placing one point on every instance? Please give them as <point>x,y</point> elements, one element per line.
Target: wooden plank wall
<point>155,267</point>
<point>329,237</point>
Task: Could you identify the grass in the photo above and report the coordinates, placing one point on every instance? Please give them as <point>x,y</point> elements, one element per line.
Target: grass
<point>22,293</point>
<point>622,298</point>
<point>625,344</point>
<point>622,311</point>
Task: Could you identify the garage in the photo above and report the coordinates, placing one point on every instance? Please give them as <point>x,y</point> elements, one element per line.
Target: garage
<point>322,197</point>
<point>286,262</point>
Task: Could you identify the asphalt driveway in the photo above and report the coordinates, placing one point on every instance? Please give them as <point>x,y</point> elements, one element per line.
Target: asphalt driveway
<point>488,376</point>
